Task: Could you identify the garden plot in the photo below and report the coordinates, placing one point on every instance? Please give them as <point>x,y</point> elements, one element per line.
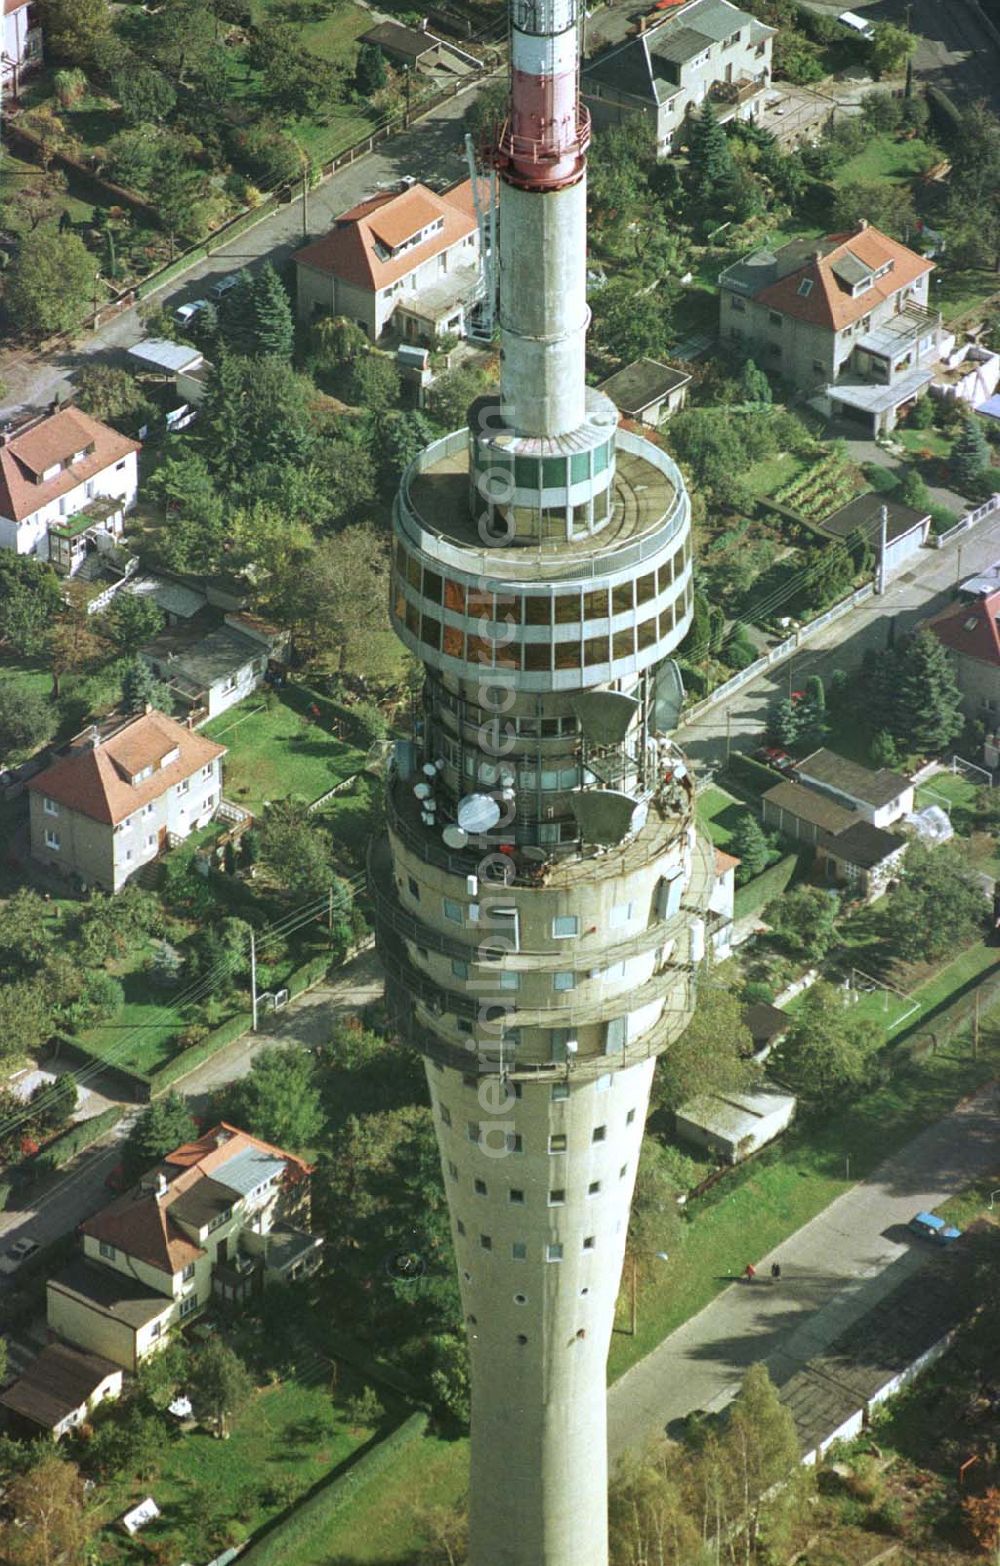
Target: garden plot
<point>824,488</point>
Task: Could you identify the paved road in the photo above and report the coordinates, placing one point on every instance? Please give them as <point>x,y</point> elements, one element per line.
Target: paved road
<point>308,1022</point>
<point>431,150</point>
<point>921,590</point>
<point>834,1270</point>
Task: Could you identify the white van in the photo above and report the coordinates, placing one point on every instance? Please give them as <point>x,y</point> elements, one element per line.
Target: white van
<point>857,24</point>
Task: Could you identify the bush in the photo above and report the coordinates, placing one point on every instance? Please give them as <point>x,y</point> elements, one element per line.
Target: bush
<point>942,519</point>
<point>365,1411</point>
<point>881,480</point>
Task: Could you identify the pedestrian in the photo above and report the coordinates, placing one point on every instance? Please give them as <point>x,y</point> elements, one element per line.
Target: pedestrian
<point>775,1272</point>
<point>749,1272</point>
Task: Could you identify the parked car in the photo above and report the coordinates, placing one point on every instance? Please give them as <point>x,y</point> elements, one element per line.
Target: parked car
<point>778,760</point>
<point>185,313</point>
<point>223,284</point>
<point>17,1253</point>
<point>930,1227</point>
<point>116,1181</point>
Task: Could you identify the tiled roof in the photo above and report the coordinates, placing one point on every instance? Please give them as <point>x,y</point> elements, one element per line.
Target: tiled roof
<point>95,780</point>
<point>111,1292</point>
<point>807,805</point>
<point>875,787</point>
<point>57,1383</point>
<point>139,1225</point>
<point>55,440</point>
<point>724,861</point>
<point>971,629</point>
<point>827,303</point>
<point>349,251</point>
<point>213,1150</point>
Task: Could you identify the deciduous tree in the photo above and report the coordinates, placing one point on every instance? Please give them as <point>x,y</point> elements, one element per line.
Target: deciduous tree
<point>891,47</point>
<point>828,1049</point>
<point>166,1124</point>
<point>713,1054</point>
<point>74,29</point>
<point>27,720</point>
<point>220,1384</point>
<point>279,1099</point>
<point>132,619</point>
<point>804,921</point>
<point>51,283</point>
<point>145,94</point>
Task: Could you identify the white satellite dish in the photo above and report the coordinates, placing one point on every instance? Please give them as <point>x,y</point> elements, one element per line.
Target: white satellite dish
<point>639,816</point>
<point>422,790</point>
<point>478,812</point>
<point>429,769</point>
<point>455,836</point>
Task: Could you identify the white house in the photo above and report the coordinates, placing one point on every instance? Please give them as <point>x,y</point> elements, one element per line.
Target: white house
<point>68,473</point>
<point>210,669</point>
<point>880,796</point>
<point>22,43</point>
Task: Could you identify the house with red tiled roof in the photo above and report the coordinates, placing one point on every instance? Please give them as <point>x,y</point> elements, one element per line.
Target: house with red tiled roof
<point>970,631</point>
<point>721,903</point>
<point>408,262</point>
<point>845,317</point>
<point>66,483</point>
<point>219,1218</point>
<point>117,798</point>
<point>20,43</point>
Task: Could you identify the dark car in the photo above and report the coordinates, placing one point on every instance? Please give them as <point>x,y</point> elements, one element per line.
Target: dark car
<point>777,760</point>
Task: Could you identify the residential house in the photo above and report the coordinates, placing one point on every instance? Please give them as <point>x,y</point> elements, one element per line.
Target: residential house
<point>408,262</point>
<point>182,363</point>
<point>881,796</point>
<point>68,475</point>
<point>59,1390</point>
<point>211,668</point>
<point>116,799</point>
<point>220,1217</point>
<point>706,49</point>
<point>849,848</point>
<point>721,903</point>
<point>647,390</point>
<point>906,529</point>
<point>21,43</point>
<point>970,631</point>
<point>845,317</point>
<point>408,48</point>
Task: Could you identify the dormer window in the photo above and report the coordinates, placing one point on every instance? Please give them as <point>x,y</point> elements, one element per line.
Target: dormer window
<point>805,288</point>
<point>171,756</point>
<point>140,777</point>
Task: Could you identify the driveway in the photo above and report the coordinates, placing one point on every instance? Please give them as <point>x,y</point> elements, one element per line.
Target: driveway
<point>430,150</point>
<point>834,1270</point>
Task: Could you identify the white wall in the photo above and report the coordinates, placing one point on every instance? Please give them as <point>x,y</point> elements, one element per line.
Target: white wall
<point>30,536</point>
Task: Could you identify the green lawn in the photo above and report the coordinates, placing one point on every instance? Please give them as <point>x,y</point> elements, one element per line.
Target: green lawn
<point>954,793</point>
<point>139,1037</point>
<point>885,158</point>
<point>274,751</point>
<point>288,1432</point>
<point>916,441</point>
<point>957,293</point>
<point>718,813</point>
<point>764,478</point>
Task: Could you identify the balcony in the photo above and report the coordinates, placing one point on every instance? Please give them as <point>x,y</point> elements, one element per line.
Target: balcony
<point>732,95</point>
<point>900,336</point>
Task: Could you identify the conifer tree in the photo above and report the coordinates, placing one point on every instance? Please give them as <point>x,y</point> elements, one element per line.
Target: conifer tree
<point>750,845</point>
<point>273,324</point>
<point>970,455</point>
<point>370,74</point>
<point>237,317</point>
<point>141,689</point>
<point>927,711</point>
<point>709,162</point>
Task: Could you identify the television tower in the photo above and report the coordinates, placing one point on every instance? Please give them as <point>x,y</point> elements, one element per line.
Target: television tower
<point>541,894</point>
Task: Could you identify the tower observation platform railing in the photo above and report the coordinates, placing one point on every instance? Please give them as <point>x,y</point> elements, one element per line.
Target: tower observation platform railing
<point>513,148</point>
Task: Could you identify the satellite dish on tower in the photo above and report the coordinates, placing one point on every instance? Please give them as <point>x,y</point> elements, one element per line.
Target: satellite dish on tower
<point>478,812</point>
<point>455,836</point>
<point>668,697</point>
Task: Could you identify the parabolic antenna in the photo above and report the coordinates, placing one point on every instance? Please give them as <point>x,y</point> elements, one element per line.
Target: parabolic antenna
<point>478,812</point>
<point>603,815</point>
<point>422,790</point>
<point>455,836</point>
<point>668,697</point>
<point>430,770</point>
<point>604,716</point>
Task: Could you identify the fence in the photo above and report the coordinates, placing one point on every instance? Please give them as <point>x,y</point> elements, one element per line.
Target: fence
<point>100,603</point>
<point>777,654</point>
<point>970,519</point>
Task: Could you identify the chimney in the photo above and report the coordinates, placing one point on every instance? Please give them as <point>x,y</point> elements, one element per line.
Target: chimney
<point>160,1188</point>
<point>147,708</point>
<point>862,225</point>
<point>94,738</point>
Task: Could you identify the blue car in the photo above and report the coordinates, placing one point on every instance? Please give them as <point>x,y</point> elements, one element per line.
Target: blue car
<point>930,1227</point>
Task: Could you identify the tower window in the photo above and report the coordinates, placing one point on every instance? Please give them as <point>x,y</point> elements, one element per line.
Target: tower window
<point>593,1187</point>
<point>557,1142</point>
<point>459,969</point>
<point>514,1142</point>
<point>630,1117</point>
<point>413,888</point>
<point>453,1170</point>
<point>623,1171</point>
<point>519,1251</point>
<point>520,1299</point>
<point>521,1339</point>
<point>564,981</point>
<point>459,1225</point>
<point>472,1321</point>
<point>554,1251</point>
<point>599,1133</point>
<point>445,1114</point>
<point>560,1090</point>
<point>452,911</point>
<point>486,1242</point>
<point>557,1198</point>
<point>516,1196</point>
<point>589,1242</point>
<point>473,1130</point>
<point>564,926</point>
<point>480,1187</point>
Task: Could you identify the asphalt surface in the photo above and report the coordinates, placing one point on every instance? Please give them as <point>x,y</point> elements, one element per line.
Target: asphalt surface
<point>834,1270</point>
<point>924,587</point>
<point>431,150</point>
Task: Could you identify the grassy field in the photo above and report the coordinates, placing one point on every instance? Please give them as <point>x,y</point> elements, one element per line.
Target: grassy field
<point>954,793</point>
<point>718,813</point>
<point>288,1432</point>
<point>885,158</point>
<point>916,441</point>
<point>957,293</point>
<point>273,751</point>
<point>138,1038</point>
<point>772,473</point>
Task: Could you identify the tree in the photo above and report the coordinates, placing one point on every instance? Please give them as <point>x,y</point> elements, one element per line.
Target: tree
<point>828,1049</point>
<point>145,95</point>
<point>633,325</point>
<point>370,74</point>
<point>30,599</point>
<point>761,1444</point>
<point>182,36</point>
<point>274,325</point>
<point>296,850</point>
<point>982,1518</point>
<point>893,204</point>
<point>266,537</point>
<point>50,284</point>
<point>268,154</point>
<point>374,382</point>
<point>298,83</point>
<point>939,907</point>
<point>141,689</point>
<point>193,507</point>
<point>882,752</point>
<point>712,1055</point>
<point>754,384</point>
<point>73,645</point>
<point>709,159</point>
<point>222,950</point>
<point>166,1124</point>
<point>927,710</point>
<point>50,1525</point>
<point>108,394</point>
<point>74,29</point>
<point>256,412</point>
<point>453,394</point>
<point>891,47</point>
<point>342,598</point>
<point>27,720</point>
<point>25,933</point>
<point>220,1384</point>
<point>279,1099</point>
<point>913,491</point>
<point>804,921</point>
<point>131,620</point>
<point>970,453</point>
<point>752,847</point>
<point>25,1016</point>
<point>784,724</point>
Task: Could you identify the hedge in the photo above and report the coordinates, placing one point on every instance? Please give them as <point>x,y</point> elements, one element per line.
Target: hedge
<point>186,1060</point>
<point>764,888</point>
<point>753,773</point>
<point>62,1148</point>
<point>314,1514</point>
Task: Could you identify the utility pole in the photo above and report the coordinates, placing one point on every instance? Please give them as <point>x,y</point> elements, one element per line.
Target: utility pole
<point>883,528</point>
<point>329,915</point>
<point>958,567</point>
<point>253,978</point>
<point>729,735</point>
<point>975,1030</point>
<point>305,201</point>
<point>635,1295</point>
